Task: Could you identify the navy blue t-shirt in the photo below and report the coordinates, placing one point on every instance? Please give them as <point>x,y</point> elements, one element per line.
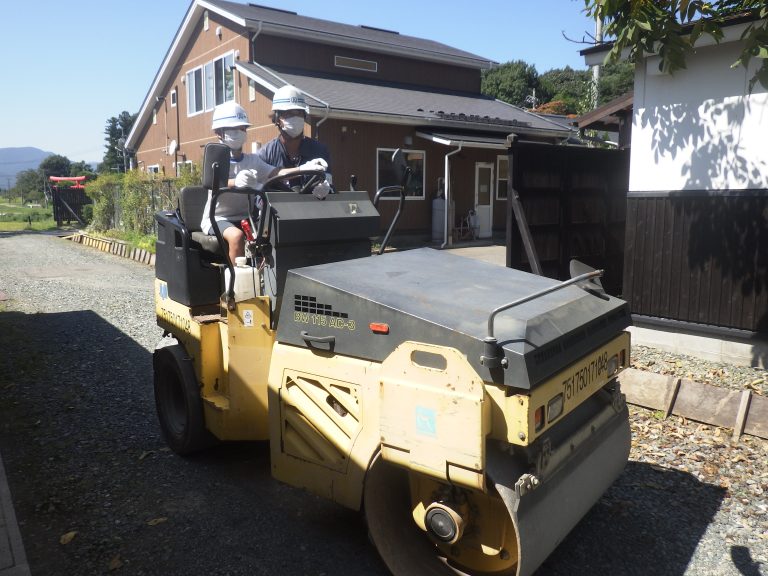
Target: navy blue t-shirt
<point>273,152</point>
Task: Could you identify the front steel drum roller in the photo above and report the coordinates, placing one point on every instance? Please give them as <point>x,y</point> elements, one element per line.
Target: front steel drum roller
<point>462,531</point>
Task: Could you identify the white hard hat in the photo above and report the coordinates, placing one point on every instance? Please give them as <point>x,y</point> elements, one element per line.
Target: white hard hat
<point>289,98</point>
<point>229,115</point>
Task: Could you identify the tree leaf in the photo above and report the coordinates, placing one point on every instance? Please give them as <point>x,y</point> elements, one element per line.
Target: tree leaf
<point>644,24</point>
<point>67,538</point>
<point>156,521</point>
<point>115,564</point>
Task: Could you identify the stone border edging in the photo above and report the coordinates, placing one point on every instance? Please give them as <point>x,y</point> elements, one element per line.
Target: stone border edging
<point>741,410</point>
<point>115,247</point>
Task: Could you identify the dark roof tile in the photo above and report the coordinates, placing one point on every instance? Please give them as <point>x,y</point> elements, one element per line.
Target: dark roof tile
<point>382,38</point>
<point>344,95</point>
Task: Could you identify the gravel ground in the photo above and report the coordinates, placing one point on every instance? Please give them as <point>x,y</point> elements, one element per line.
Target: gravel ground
<point>96,491</point>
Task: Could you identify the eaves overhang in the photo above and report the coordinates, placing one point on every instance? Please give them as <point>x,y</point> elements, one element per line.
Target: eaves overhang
<point>501,142</point>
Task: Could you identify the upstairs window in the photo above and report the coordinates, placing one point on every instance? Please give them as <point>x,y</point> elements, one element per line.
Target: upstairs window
<point>195,100</point>
<point>210,85</point>
<point>224,79</point>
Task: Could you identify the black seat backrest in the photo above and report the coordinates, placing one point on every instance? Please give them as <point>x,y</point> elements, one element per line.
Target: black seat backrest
<point>192,201</point>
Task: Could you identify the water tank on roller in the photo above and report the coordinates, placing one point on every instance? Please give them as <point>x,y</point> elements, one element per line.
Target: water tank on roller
<point>246,280</point>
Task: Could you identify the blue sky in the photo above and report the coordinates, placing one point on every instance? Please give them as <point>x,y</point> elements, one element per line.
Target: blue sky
<point>67,67</point>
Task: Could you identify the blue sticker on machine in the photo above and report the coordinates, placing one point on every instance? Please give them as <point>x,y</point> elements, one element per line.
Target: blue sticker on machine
<point>163,290</point>
<point>426,422</point>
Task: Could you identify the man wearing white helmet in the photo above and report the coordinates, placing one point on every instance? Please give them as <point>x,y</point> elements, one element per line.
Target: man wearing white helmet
<point>230,122</point>
<point>291,148</point>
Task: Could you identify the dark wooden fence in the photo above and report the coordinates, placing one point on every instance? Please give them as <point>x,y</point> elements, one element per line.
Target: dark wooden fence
<point>68,204</point>
<point>699,257</point>
<point>574,200</point>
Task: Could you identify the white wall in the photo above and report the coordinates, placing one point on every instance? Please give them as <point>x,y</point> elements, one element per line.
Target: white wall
<point>699,129</point>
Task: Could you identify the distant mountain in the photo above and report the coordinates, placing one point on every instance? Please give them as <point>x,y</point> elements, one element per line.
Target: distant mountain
<point>15,160</point>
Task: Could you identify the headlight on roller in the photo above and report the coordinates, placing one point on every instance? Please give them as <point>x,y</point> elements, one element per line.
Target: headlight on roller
<point>554,408</point>
<point>613,365</point>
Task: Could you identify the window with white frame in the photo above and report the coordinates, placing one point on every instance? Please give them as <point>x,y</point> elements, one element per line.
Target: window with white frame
<point>210,85</point>
<point>195,101</point>
<point>502,177</point>
<point>387,173</point>
<point>173,98</point>
<point>154,169</point>
<point>185,167</point>
<point>224,79</point>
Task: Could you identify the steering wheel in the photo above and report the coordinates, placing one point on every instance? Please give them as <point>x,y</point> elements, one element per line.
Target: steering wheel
<point>277,183</point>
<point>311,183</point>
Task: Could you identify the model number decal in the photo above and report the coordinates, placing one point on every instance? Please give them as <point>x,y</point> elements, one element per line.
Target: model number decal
<point>324,321</point>
<point>585,376</point>
<point>175,319</point>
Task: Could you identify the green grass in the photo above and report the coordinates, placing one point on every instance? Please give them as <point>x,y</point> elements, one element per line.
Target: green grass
<point>133,239</point>
<point>15,218</point>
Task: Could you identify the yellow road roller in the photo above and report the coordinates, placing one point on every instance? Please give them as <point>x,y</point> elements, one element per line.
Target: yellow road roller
<point>471,411</point>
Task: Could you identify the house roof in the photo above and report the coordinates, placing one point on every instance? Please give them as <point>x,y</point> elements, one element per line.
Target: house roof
<point>338,97</point>
<point>608,116</point>
<point>397,104</point>
<point>290,24</point>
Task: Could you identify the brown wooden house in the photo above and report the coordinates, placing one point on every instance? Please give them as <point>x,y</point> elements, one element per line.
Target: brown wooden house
<point>370,91</point>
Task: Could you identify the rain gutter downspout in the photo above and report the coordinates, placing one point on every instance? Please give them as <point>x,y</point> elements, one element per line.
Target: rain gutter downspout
<point>446,180</point>
<point>256,34</point>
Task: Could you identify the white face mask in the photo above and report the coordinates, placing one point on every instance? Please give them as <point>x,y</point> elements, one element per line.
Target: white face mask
<point>234,139</point>
<point>292,126</point>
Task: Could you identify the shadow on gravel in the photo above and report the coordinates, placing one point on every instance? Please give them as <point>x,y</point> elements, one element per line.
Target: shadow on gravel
<point>742,559</point>
<point>84,455</point>
<point>649,522</point>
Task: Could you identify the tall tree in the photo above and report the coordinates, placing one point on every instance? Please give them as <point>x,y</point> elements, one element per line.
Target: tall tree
<point>565,85</point>
<point>55,165</point>
<point>616,79</point>
<point>29,184</point>
<point>81,168</point>
<point>657,27</point>
<point>116,131</point>
<point>514,82</point>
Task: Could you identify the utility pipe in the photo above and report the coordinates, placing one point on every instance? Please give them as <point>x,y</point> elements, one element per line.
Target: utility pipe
<point>447,186</point>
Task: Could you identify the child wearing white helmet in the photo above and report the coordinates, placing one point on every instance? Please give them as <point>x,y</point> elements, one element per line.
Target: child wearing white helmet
<point>230,122</point>
<point>291,148</point>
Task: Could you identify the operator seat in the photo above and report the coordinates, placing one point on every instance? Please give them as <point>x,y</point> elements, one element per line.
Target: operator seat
<point>192,201</point>
<point>188,260</point>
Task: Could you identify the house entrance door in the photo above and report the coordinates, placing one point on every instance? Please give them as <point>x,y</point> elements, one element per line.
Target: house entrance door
<point>484,198</point>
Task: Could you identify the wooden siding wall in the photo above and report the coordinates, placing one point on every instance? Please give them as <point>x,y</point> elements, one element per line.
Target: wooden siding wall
<point>574,200</point>
<point>353,148</point>
<point>275,51</point>
<point>699,258</point>
<point>192,132</point>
